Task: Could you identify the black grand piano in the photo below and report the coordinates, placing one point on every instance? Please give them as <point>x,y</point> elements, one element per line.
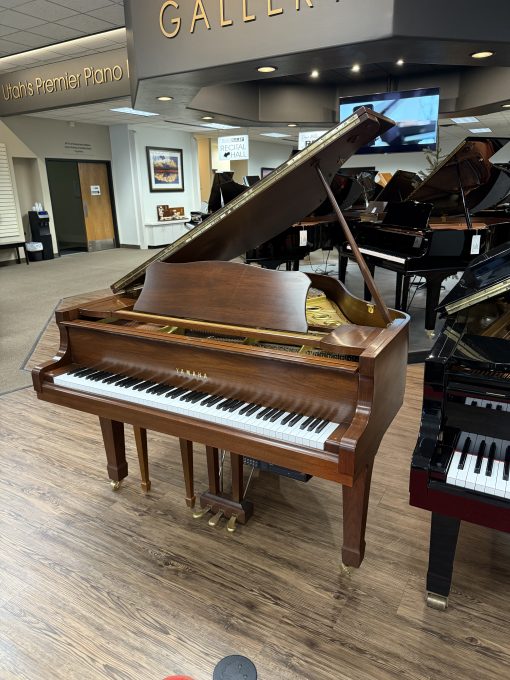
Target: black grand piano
<point>435,232</point>
<point>461,464</point>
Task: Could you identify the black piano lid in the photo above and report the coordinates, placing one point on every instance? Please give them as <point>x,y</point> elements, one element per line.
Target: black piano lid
<point>486,277</point>
<point>485,184</point>
<point>287,195</point>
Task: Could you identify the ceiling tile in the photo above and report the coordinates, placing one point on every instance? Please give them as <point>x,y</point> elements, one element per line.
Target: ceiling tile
<point>28,39</point>
<point>10,4</point>
<point>113,13</point>
<point>84,22</point>
<point>83,6</point>
<point>58,32</point>
<point>18,20</point>
<point>43,9</point>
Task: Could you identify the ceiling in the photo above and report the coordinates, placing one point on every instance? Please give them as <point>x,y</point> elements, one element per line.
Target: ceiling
<point>36,32</point>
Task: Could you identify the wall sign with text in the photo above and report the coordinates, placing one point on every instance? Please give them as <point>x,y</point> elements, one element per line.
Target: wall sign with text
<point>234,148</point>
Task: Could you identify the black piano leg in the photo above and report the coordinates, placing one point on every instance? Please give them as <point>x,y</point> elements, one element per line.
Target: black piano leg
<point>405,292</point>
<point>444,532</point>
<point>143,458</point>
<point>355,507</point>
<point>398,291</point>
<point>367,295</point>
<point>187,468</point>
<point>433,293</point>
<point>114,444</point>
<point>342,267</point>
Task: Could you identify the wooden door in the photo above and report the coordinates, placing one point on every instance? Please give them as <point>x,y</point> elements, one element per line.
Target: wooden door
<point>97,207</point>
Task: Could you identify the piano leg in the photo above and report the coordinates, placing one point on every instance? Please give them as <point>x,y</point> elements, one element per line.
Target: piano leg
<point>444,532</point>
<point>355,507</point>
<point>406,280</point>
<point>114,444</point>
<point>367,295</point>
<point>236,464</point>
<point>143,459</point>
<point>213,469</point>
<point>434,282</point>
<point>398,291</point>
<point>187,468</point>
<point>342,267</point>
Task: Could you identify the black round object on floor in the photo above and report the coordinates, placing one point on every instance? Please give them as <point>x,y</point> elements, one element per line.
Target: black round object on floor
<point>235,668</point>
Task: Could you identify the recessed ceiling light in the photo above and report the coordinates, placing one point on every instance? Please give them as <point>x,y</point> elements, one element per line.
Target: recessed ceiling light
<point>482,55</point>
<point>266,69</point>
<point>164,98</point>
<point>400,62</point>
<point>465,119</point>
<point>220,126</point>
<point>314,73</point>
<point>292,125</point>
<point>134,112</point>
<point>273,134</point>
<point>480,130</point>
<point>506,106</point>
<point>207,117</point>
<point>356,68</point>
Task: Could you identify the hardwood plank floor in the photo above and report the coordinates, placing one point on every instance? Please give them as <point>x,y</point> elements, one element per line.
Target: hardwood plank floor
<point>96,584</point>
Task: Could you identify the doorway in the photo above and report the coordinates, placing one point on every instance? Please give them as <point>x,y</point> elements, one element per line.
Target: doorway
<point>82,202</point>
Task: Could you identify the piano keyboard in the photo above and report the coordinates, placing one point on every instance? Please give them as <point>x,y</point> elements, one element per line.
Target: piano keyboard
<point>285,426</point>
<point>482,464</point>
<point>381,256</point>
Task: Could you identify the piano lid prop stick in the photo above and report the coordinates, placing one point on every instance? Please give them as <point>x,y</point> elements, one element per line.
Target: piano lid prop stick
<point>380,304</point>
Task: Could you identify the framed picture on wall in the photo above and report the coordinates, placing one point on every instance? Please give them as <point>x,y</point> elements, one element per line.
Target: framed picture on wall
<point>165,169</point>
<point>264,172</point>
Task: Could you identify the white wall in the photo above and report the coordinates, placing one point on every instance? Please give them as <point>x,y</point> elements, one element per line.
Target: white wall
<point>267,155</point>
<point>125,185</point>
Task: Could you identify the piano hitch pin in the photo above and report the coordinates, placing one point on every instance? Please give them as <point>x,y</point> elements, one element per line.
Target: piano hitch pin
<point>231,524</point>
<point>216,518</point>
<point>198,514</point>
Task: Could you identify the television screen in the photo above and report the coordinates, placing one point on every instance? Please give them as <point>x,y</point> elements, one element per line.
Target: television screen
<point>414,111</point>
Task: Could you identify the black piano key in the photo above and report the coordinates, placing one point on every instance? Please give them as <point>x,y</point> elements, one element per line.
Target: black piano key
<point>288,417</point>
<point>296,419</point>
<point>98,376</point>
<point>321,427</point>
<point>222,403</point>
<point>144,384</point>
<point>121,382</point>
<point>211,400</point>
<point>499,407</point>
<point>270,413</point>
<point>237,404</point>
<point>263,412</point>
<point>465,451</point>
<point>245,409</point>
<point>506,467</point>
<point>313,425</point>
<point>276,415</point>
<point>307,422</point>
<point>253,410</point>
<point>175,393</point>
<point>490,461</point>
<point>112,379</point>
<point>85,372</point>
<point>479,458</point>
<point>75,370</point>
<point>488,405</point>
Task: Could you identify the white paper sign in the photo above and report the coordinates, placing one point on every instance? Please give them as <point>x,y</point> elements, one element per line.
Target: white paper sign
<point>303,237</point>
<point>233,148</point>
<point>307,138</point>
<point>95,190</point>
<point>475,244</point>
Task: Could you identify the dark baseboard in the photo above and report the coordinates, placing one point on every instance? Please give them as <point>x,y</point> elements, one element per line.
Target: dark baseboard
<point>7,263</point>
<point>128,245</point>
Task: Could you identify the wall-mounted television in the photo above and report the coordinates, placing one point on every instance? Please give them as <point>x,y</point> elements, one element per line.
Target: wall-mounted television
<point>414,111</point>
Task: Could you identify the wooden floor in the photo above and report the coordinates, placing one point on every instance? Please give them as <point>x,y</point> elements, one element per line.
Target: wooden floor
<point>101,584</point>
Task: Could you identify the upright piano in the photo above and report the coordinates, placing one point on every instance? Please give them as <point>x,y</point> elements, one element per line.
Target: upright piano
<point>434,232</point>
<point>281,367</point>
<point>461,464</point>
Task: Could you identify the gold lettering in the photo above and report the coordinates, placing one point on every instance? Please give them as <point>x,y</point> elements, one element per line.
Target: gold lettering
<point>270,11</point>
<point>224,22</point>
<point>246,16</point>
<point>298,4</point>
<point>176,22</point>
<point>87,73</point>
<point>198,15</point>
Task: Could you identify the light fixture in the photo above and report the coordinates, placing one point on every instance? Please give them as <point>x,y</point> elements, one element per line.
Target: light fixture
<point>400,62</point>
<point>506,106</point>
<point>207,117</point>
<point>314,73</point>
<point>482,55</point>
<point>164,98</point>
<point>134,112</point>
<point>465,119</point>
<point>356,68</point>
<point>266,69</point>
<point>273,134</point>
<point>292,125</point>
<point>480,130</point>
<point>220,126</point>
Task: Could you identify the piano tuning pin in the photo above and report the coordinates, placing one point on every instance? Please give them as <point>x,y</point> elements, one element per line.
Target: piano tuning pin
<point>231,524</point>
<point>198,514</point>
<point>216,518</point>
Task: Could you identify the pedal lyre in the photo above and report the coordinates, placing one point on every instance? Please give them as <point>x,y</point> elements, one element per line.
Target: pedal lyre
<point>201,512</point>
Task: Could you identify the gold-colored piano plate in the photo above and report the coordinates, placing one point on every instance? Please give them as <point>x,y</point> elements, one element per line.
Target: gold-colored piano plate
<point>322,312</point>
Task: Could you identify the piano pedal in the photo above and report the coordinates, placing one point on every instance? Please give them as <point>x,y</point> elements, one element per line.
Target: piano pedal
<point>115,484</point>
<point>201,512</point>
<point>215,518</point>
<point>435,601</point>
<point>232,524</point>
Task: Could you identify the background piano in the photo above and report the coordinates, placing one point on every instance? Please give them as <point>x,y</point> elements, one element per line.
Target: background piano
<point>435,233</point>
<point>242,358</point>
<point>461,464</point>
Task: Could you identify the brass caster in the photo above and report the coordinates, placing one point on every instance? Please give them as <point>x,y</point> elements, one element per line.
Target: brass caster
<point>231,524</point>
<point>431,334</point>
<point>435,601</point>
<point>115,485</point>
<point>344,569</point>
<point>198,514</point>
<point>146,486</point>
<point>216,518</point>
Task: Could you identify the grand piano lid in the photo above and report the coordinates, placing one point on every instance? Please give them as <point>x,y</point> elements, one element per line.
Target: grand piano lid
<point>285,196</point>
<point>484,184</point>
<point>486,277</point>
